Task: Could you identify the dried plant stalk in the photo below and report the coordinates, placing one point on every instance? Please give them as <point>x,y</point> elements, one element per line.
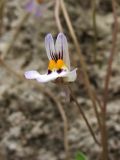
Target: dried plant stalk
<point>82,62</point>
<point>107,81</point>
<point>57,12</point>
<point>94,28</point>
<point>2,6</point>
<point>84,117</point>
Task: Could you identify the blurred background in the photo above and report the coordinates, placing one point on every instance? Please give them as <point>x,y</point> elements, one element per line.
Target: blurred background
<point>31,127</point>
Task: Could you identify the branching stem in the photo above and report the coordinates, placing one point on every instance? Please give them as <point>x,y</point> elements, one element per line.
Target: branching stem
<point>106,88</point>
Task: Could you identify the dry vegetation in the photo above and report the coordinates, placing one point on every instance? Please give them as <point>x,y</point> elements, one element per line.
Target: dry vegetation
<point>36,121</point>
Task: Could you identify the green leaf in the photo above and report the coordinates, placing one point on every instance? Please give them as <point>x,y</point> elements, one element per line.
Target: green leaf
<point>80,156</point>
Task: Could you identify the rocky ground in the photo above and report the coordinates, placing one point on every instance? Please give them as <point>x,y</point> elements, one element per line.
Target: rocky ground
<point>30,124</point>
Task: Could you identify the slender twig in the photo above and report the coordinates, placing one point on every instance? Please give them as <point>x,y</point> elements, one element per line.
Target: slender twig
<point>57,12</point>
<point>112,54</point>
<point>83,64</point>
<point>2,6</point>
<point>98,101</point>
<point>65,122</point>
<point>94,28</point>
<point>107,81</point>
<point>51,95</point>
<point>84,117</point>
<point>15,34</point>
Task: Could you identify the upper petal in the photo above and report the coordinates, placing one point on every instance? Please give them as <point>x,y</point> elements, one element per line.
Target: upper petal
<point>49,45</point>
<point>61,48</point>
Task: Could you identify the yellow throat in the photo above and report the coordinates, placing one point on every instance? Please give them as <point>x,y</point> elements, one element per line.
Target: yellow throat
<point>53,65</point>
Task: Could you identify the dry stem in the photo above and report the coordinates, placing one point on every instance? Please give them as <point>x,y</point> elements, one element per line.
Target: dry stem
<point>83,65</point>
<point>65,122</point>
<point>94,28</point>
<point>84,117</point>
<point>57,12</point>
<point>107,81</point>
<point>2,6</point>
<point>112,54</point>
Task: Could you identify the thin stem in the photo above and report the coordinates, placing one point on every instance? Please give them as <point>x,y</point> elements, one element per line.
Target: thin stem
<point>65,122</point>
<point>57,12</point>
<point>98,101</point>
<point>84,117</point>
<point>82,62</point>
<point>94,27</point>
<point>112,54</point>
<point>2,6</point>
<point>107,81</point>
<point>104,138</point>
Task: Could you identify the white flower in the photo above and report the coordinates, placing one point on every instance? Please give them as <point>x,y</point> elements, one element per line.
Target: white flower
<point>59,62</point>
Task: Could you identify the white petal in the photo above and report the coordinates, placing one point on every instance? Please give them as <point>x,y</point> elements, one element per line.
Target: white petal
<point>69,76</point>
<point>49,45</point>
<point>61,47</point>
<point>47,77</point>
<point>32,74</point>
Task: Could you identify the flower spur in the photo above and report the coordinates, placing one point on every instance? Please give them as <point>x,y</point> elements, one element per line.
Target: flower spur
<point>59,62</point>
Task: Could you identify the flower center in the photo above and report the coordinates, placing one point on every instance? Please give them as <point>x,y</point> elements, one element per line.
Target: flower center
<point>51,65</point>
<point>60,64</point>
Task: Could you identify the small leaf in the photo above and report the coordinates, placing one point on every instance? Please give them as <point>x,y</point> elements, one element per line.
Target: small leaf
<point>80,156</point>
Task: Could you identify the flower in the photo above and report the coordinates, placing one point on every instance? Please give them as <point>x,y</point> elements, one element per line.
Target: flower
<point>34,6</point>
<point>59,62</point>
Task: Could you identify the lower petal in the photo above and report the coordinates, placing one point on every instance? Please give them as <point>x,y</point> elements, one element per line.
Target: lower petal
<point>69,76</point>
<point>47,77</point>
<point>32,74</point>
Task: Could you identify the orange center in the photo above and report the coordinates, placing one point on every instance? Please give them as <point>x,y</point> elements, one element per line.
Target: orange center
<point>51,65</point>
<point>60,64</point>
<point>56,65</point>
